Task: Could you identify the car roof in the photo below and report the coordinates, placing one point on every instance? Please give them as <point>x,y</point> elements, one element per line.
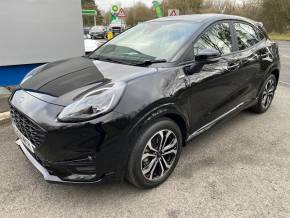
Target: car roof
<point>203,18</point>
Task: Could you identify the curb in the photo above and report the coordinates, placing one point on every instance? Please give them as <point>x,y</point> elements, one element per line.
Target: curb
<point>4,117</point>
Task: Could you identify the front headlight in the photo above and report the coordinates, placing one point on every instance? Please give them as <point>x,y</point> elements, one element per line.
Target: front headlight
<point>32,73</point>
<point>93,104</point>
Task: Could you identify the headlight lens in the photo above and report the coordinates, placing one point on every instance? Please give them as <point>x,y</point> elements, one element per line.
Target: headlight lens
<point>32,73</point>
<point>94,103</point>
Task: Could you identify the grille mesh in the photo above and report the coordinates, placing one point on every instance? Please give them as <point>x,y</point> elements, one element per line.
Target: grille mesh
<point>30,130</point>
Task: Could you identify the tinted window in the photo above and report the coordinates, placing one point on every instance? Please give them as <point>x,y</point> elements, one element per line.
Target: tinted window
<point>217,37</point>
<point>246,36</point>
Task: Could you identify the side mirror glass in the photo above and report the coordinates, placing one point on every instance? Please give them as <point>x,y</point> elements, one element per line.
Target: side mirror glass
<point>207,54</point>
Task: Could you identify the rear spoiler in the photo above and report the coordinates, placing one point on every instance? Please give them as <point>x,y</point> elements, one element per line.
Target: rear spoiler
<point>261,27</point>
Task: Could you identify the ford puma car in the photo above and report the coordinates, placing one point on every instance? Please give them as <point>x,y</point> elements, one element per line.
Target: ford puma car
<point>126,110</point>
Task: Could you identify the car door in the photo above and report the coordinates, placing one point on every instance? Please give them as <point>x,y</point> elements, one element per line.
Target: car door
<point>212,89</point>
<point>250,50</point>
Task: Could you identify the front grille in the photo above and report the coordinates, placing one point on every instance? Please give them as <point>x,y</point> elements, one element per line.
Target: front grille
<point>31,131</point>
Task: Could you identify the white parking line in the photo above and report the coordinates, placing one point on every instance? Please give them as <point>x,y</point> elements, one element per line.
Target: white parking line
<point>285,56</point>
<point>288,84</point>
<point>284,46</point>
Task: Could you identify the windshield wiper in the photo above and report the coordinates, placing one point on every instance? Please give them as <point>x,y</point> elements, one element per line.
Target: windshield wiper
<point>149,62</point>
<point>100,58</point>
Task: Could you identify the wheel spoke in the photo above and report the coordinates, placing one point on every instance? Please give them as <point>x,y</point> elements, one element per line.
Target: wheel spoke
<point>162,168</point>
<point>160,133</point>
<point>265,102</point>
<point>149,145</point>
<point>171,145</point>
<point>146,155</point>
<point>271,93</point>
<point>269,85</point>
<point>269,100</point>
<point>271,89</point>
<point>165,163</point>
<point>170,152</point>
<point>264,98</point>
<point>149,166</point>
<point>153,170</point>
<point>165,139</point>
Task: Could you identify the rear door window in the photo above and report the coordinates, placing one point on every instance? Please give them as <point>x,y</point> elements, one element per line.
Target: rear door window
<point>246,36</point>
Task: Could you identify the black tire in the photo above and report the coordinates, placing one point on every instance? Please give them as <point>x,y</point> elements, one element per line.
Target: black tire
<point>137,165</point>
<point>266,96</point>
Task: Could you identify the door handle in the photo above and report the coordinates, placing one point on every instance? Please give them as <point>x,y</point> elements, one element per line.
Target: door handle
<point>233,66</point>
<point>181,77</point>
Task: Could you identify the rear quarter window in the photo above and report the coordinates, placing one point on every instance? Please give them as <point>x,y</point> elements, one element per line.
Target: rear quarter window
<point>247,36</point>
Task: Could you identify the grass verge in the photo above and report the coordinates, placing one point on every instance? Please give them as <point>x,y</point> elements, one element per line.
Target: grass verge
<point>280,37</point>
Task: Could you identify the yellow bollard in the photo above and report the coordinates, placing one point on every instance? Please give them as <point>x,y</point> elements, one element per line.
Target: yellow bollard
<point>110,35</point>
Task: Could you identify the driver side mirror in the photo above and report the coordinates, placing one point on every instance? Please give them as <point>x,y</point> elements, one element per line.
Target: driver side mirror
<point>207,54</point>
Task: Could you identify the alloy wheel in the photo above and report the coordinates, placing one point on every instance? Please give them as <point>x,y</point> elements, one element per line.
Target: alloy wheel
<point>268,93</point>
<point>159,155</point>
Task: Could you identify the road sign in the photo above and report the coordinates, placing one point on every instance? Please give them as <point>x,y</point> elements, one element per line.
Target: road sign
<point>173,12</point>
<point>89,12</point>
<point>121,13</point>
<point>115,9</point>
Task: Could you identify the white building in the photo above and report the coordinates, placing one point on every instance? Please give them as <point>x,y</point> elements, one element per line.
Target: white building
<point>33,32</point>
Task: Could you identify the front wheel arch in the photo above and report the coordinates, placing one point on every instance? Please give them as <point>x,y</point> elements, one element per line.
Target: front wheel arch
<point>168,111</point>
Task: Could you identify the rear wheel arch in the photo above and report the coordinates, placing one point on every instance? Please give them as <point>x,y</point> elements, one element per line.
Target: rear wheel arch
<point>276,73</point>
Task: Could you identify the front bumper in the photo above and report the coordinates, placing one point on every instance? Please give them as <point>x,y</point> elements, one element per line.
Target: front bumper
<point>37,165</point>
<point>88,152</point>
<point>45,173</point>
<point>98,35</point>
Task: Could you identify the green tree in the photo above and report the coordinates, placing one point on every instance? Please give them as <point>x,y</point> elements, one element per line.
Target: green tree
<point>276,15</point>
<point>139,13</point>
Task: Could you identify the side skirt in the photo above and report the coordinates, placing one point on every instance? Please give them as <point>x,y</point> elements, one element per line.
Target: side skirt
<point>212,123</point>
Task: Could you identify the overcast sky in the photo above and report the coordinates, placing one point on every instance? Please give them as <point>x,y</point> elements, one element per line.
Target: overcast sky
<point>106,4</point>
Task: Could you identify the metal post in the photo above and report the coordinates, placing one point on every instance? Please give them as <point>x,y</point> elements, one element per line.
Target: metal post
<point>133,12</point>
<point>163,8</point>
<point>95,22</point>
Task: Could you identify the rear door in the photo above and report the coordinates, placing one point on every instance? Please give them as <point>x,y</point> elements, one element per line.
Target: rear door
<point>250,49</point>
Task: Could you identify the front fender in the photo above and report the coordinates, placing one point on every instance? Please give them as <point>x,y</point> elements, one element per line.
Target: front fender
<point>164,110</point>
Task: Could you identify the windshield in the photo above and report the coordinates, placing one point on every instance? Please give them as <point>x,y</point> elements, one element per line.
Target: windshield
<point>150,41</point>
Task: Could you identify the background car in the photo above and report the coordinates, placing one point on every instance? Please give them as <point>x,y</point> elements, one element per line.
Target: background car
<point>97,32</point>
<point>87,30</point>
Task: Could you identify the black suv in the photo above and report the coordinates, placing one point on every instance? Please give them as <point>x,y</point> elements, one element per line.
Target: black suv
<point>127,110</point>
